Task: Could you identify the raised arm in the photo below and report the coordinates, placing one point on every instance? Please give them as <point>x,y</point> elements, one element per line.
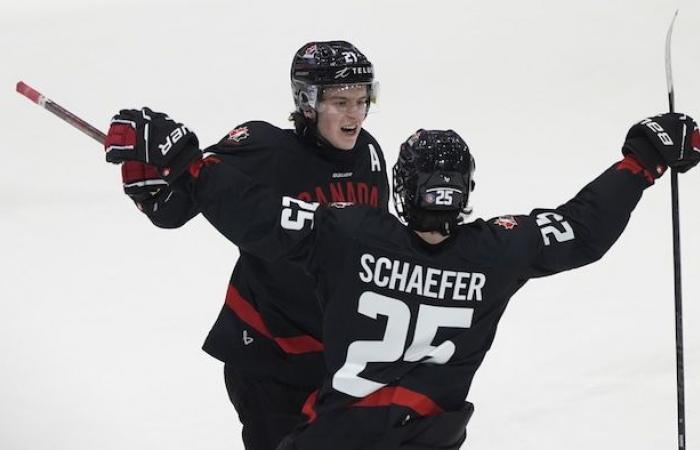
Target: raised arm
<point>583,229</point>
<point>169,208</point>
<point>248,214</point>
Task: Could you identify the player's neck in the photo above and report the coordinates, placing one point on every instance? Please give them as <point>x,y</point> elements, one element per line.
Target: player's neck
<point>431,237</point>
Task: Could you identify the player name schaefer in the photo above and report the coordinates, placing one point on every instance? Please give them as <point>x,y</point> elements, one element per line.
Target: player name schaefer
<point>424,281</point>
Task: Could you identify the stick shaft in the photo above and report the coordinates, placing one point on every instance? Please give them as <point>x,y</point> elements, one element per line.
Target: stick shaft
<point>53,107</point>
<point>677,286</point>
<point>680,381</point>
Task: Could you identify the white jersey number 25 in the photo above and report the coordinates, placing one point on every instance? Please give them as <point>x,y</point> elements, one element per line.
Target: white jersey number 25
<point>391,348</point>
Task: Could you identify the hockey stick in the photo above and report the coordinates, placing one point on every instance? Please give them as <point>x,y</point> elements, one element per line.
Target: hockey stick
<point>61,112</point>
<point>680,383</point>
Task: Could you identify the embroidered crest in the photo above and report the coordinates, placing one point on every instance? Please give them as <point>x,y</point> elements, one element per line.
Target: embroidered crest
<point>238,134</point>
<point>507,222</point>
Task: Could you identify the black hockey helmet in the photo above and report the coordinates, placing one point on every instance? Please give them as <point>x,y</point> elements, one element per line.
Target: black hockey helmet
<point>318,65</point>
<point>433,178</point>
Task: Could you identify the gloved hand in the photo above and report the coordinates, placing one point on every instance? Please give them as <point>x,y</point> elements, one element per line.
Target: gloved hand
<point>142,183</point>
<point>666,140</point>
<point>151,138</point>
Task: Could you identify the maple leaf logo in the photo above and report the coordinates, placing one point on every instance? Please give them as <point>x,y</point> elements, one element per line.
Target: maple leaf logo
<point>507,222</point>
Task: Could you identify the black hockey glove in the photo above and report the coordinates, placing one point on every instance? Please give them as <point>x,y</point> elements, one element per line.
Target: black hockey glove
<point>667,140</point>
<point>143,184</point>
<point>152,138</point>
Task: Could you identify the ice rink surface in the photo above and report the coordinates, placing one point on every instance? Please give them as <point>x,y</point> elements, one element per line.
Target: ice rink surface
<point>102,315</point>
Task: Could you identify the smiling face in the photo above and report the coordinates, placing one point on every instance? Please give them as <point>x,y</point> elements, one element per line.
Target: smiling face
<point>340,115</point>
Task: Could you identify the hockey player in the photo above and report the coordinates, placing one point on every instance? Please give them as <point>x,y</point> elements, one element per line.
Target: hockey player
<point>268,333</point>
<point>410,311</point>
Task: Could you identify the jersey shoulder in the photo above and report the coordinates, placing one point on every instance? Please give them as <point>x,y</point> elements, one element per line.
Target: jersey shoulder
<point>366,140</point>
<point>366,137</point>
<point>253,136</point>
<point>506,239</point>
<point>354,221</point>
<point>370,227</point>
<point>342,218</point>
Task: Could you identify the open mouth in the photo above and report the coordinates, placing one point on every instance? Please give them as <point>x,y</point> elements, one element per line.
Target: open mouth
<point>350,130</point>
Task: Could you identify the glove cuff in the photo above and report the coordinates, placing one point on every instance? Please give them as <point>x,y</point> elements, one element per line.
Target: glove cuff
<point>646,154</point>
<point>184,157</point>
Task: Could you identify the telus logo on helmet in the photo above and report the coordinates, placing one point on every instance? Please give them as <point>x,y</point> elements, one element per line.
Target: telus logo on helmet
<point>658,129</point>
<point>172,139</point>
<point>345,71</point>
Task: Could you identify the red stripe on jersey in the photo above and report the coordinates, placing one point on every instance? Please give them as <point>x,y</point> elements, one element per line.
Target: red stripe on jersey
<point>299,344</point>
<point>308,408</point>
<point>386,396</point>
<point>248,314</point>
<point>246,311</point>
<point>397,395</point>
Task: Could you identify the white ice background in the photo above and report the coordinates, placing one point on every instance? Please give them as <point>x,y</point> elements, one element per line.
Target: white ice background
<point>102,315</point>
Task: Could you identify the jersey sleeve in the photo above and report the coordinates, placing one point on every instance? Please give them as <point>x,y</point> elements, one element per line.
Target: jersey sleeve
<point>253,217</point>
<point>171,209</point>
<point>579,232</point>
<point>249,147</point>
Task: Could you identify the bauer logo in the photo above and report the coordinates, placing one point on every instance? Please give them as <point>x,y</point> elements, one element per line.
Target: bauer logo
<point>658,129</point>
<point>172,139</point>
<point>238,134</point>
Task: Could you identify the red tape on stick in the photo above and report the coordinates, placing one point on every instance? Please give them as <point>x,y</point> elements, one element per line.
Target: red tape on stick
<point>53,107</point>
<point>29,92</point>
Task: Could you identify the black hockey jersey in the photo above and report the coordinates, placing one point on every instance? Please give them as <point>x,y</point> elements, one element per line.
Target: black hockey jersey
<point>406,323</point>
<point>270,324</point>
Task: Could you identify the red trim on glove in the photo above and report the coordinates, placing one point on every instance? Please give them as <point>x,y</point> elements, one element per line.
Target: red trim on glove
<point>631,163</point>
<point>120,135</point>
<point>133,171</point>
